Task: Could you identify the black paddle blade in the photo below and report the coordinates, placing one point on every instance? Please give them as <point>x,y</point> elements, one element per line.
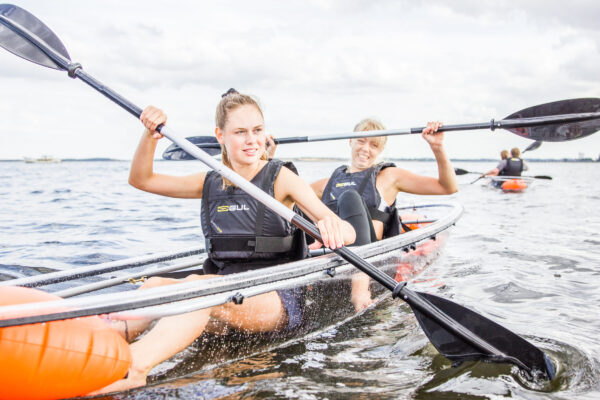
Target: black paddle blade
<point>533,146</point>
<point>561,131</point>
<point>22,47</point>
<point>175,153</point>
<point>506,346</point>
<point>460,171</point>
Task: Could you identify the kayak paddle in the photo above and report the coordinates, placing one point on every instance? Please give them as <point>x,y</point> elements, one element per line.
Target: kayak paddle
<point>460,171</point>
<point>478,178</point>
<point>457,332</point>
<point>553,122</point>
<point>533,146</point>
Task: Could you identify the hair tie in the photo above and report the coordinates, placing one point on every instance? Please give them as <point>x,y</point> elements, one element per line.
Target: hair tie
<point>230,91</point>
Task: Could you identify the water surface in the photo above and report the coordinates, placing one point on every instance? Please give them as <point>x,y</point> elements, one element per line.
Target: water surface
<point>529,261</point>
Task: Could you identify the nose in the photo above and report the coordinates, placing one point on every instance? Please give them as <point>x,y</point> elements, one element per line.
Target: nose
<point>250,137</point>
<point>363,147</point>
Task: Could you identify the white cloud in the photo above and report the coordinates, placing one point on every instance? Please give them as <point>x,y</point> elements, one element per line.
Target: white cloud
<point>317,66</point>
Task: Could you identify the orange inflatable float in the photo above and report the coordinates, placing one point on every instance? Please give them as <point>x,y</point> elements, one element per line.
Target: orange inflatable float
<point>514,185</point>
<point>413,217</point>
<point>57,359</point>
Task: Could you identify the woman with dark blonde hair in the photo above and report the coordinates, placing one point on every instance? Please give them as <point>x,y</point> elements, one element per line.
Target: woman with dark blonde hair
<point>230,221</point>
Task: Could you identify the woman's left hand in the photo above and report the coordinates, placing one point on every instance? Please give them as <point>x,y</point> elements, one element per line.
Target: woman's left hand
<point>431,135</point>
<point>271,146</point>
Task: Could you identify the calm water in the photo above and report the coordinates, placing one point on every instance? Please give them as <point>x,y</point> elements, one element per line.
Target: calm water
<point>529,261</point>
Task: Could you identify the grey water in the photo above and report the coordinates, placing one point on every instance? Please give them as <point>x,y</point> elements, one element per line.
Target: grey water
<point>530,261</point>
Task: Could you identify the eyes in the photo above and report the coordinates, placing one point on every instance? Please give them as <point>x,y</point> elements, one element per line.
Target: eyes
<point>372,144</point>
<point>256,131</point>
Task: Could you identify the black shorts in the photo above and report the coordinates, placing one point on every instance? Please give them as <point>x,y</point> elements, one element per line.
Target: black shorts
<point>293,302</point>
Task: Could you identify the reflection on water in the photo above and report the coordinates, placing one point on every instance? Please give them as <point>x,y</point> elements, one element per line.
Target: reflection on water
<point>528,261</point>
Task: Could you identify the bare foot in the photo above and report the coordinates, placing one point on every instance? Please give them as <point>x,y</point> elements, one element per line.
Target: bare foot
<point>362,301</point>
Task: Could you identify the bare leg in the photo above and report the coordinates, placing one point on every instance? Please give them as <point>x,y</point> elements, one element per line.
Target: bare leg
<point>263,313</point>
<point>131,329</point>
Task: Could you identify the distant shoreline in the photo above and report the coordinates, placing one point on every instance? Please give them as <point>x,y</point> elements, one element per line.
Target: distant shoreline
<point>342,159</point>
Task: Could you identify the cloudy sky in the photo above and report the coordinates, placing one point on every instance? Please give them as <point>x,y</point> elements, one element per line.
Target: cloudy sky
<point>317,67</point>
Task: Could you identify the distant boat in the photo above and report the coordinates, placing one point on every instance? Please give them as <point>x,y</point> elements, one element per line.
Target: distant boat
<point>43,160</point>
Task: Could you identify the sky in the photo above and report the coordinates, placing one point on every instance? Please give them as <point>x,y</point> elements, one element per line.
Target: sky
<point>317,67</point>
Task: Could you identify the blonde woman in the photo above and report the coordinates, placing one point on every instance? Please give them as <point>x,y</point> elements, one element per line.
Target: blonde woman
<point>369,184</point>
<point>228,215</point>
<point>364,192</point>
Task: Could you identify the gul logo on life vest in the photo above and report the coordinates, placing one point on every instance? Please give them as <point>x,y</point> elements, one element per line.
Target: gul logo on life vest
<point>343,184</point>
<point>233,207</point>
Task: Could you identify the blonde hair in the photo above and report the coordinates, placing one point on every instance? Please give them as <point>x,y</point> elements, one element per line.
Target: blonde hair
<point>515,152</point>
<point>230,101</point>
<point>504,154</point>
<point>372,124</point>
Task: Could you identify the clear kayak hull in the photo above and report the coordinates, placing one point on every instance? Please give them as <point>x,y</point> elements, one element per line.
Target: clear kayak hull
<point>322,281</point>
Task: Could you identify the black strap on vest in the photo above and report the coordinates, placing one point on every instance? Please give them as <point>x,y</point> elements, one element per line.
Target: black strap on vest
<point>363,184</point>
<point>403,225</point>
<point>379,215</point>
<point>258,244</point>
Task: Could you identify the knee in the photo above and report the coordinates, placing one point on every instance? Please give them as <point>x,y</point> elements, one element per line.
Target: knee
<point>350,204</point>
<point>350,197</point>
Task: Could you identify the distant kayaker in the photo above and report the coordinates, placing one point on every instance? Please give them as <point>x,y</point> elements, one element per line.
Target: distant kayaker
<point>509,166</point>
<point>364,192</point>
<point>231,221</point>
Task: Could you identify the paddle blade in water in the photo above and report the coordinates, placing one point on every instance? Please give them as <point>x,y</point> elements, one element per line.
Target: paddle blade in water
<point>512,348</point>
<point>18,18</point>
<point>561,131</point>
<point>175,153</point>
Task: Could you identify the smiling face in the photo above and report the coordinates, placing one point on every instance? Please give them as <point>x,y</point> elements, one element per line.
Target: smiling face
<point>243,135</point>
<point>365,152</point>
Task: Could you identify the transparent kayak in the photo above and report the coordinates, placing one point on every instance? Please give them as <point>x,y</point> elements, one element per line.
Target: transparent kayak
<point>324,280</point>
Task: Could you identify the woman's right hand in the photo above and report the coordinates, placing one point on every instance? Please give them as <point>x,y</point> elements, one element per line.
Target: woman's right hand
<point>331,230</point>
<point>152,117</point>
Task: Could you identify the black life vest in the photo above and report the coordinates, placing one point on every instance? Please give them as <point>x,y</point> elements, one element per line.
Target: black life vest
<point>240,232</point>
<point>513,167</point>
<point>364,182</point>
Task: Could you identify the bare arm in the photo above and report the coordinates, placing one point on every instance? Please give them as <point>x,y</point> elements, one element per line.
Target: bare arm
<point>142,175</point>
<point>319,187</point>
<point>290,188</point>
<point>496,171</point>
<point>446,175</point>
<point>445,183</point>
